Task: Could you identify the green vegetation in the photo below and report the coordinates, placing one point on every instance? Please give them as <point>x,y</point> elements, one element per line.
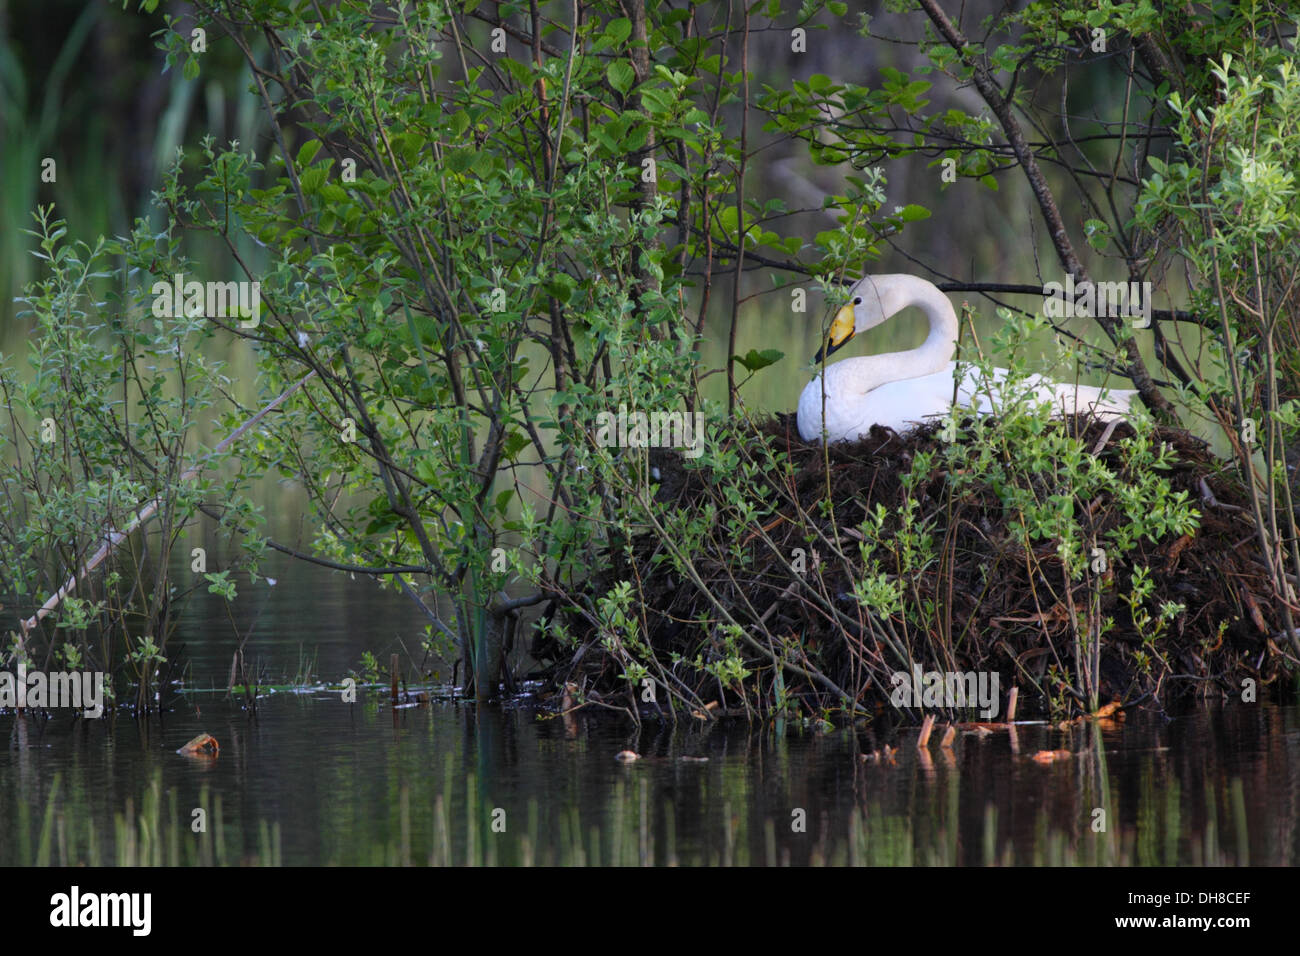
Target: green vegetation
<point>480,230</point>
<point>103,428</point>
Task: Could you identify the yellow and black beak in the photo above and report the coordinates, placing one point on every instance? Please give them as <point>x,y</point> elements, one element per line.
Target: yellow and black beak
<point>842,329</point>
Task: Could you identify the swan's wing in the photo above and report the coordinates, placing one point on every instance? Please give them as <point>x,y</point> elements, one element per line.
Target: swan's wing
<point>909,402</point>
<point>1102,403</point>
<point>903,404</point>
<point>988,394</point>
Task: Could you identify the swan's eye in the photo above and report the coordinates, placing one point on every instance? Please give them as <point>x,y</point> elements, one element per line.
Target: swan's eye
<point>858,300</point>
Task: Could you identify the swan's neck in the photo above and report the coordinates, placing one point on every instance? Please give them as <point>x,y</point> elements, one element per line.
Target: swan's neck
<point>932,355</point>
<point>937,349</point>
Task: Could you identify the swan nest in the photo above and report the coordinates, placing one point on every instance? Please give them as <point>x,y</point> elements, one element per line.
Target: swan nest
<point>987,603</point>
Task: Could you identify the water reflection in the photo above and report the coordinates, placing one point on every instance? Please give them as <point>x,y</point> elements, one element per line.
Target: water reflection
<point>313,781</point>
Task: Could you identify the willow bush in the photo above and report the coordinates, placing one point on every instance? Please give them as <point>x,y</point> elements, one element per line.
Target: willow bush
<point>474,247</point>
<point>1230,196</point>
<point>109,418</point>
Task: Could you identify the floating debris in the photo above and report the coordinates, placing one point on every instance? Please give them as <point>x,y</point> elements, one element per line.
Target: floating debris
<point>204,745</point>
<point>1109,710</point>
<point>701,715</point>
<point>883,755</point>
<point>1051,756</point>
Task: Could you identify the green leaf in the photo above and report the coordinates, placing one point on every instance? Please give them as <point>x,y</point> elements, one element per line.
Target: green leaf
<point>503,501</point>
<point>912,212</point>
<point>334,193</point>
<point>756,360</point>
<point>312,179</point>
<point>657,101</point>
<point>514,443</point>
<point>617,31</point>
<point>459,160</point>
<point>411,145</point>
<point>727,218</point>
<point>621,75</point>
<point>1098,233</point>
<point>559,286</point>
<point>307,152</point>
<point>636,138</point>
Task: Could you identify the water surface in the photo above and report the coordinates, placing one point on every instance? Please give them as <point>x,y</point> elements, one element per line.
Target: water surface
<point>312,780</point>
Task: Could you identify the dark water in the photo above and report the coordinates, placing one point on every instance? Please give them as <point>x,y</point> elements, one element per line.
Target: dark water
<point>312,780</point>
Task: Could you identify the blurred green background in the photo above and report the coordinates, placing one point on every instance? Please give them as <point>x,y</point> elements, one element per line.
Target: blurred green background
<point>84,85</point>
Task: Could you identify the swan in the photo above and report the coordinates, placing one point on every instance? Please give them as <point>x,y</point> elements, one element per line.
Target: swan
<point>901,390</point>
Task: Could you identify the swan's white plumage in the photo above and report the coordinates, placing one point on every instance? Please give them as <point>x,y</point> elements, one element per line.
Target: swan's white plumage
<point>903,389</point>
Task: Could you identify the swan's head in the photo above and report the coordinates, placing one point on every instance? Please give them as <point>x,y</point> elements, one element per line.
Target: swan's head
<point>872,300</point>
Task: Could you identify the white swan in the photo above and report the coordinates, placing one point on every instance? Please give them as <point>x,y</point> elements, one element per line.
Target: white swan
<point>903,389</point>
